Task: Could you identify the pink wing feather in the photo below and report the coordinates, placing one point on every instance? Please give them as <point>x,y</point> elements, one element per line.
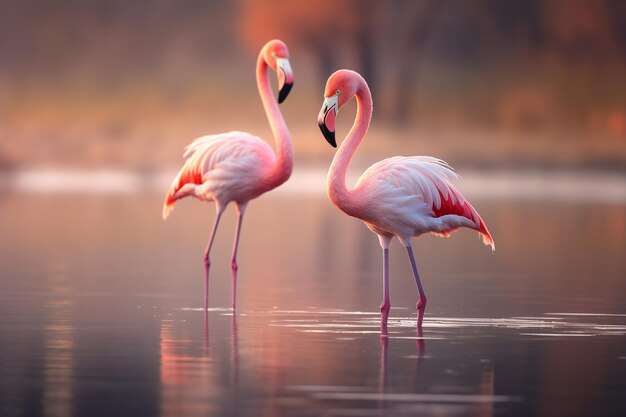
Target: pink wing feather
<point>207,154</point>
<point>457,204</point>
<point>451,201</point>
<point>430,178</point>
<point>192,170</point>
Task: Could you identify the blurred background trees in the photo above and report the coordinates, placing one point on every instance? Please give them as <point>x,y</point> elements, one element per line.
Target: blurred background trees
<point>103,80</point>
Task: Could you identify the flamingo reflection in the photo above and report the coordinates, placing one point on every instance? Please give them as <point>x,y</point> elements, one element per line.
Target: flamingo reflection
<point>59,350</point>
<point>191,373</point>
<point>420,346</point>
<point>234,351</point>
<point>234,346</point>
<point>186,373</point>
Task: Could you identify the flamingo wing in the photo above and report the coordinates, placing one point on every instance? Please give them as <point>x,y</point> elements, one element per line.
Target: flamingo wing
<point>416,193</point>
<point>221,167</point>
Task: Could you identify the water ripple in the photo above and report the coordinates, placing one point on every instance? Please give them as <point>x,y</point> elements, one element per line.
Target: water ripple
<point>359,322</point>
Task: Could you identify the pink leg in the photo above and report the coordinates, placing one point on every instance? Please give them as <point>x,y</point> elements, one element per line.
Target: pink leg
<point>233,260</point>
<point>386,305</point>
<point>421,303</point>
<point>207,262</point>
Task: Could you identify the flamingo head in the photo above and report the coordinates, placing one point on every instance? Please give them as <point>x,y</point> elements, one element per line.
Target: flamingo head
<point>341,87</point>
<point>276,55</point>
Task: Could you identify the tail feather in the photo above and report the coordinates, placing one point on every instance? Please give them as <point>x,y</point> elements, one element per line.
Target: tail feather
<point>170,197</point>
<point>168,205</point>
<point>455,203</point>
<point>485,235</point>
<point>189,174</point>
<point>481,228</point>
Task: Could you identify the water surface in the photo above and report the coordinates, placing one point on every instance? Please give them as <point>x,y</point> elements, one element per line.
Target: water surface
<point>100,312</point>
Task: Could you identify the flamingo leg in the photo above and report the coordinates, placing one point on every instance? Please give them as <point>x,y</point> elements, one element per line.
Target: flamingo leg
<point>207,262</point>
<point>233,260</point>
<point>386,305</point>
<point>421,302</point>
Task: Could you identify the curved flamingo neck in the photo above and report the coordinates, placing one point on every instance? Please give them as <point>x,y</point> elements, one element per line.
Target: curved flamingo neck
<point>336,187</point>
<point>281,170</point>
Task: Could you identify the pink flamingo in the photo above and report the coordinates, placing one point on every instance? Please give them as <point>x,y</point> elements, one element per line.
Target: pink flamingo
<point>398,196</point>
<point>237,166</point>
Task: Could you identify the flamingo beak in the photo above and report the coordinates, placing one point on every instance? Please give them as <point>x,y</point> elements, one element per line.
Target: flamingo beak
<point>285,78</point>
<point>326,118</point>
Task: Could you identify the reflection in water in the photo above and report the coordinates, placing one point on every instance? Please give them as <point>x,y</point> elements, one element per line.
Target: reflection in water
<point>361,400</point>
<point>384,361</point>
<point>356,322</point>
<point>104,333</point>
<point>59,347</point>
<point>479,400</point>
<point>486,388</point>
<point>234,351</point>
<point>420,348</point>
<point>186,373</point>
<point>191,367</point>
<point>382,376</point>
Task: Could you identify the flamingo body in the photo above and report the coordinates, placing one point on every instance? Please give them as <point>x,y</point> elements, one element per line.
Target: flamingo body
<point>223,168</point>
<point>237,166</point>
<point>410,196</point>
<point>399,196</point>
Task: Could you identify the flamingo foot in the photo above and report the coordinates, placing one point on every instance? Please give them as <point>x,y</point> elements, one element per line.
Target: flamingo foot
<point>385,307</point>
<point>233,269</point>
<point>384,333</point>
<point>207,266</point>
<point>419,342</point>
<point>421,308</point>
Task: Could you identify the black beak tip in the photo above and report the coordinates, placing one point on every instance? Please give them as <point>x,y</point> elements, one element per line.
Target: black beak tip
<point>284,92</point>
<point>328,135</point>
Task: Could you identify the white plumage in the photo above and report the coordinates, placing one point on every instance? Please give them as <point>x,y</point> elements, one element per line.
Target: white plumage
<point>413,193</point>
<point>223,168</point>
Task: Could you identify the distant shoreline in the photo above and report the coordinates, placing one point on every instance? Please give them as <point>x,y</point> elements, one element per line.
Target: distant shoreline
<point>518,185</point>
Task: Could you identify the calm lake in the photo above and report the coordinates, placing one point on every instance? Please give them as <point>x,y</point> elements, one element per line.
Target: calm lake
<point>100,311</point>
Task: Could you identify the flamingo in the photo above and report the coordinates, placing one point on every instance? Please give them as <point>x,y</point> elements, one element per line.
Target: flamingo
<point>399,196</point>
<point>237,166</point>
